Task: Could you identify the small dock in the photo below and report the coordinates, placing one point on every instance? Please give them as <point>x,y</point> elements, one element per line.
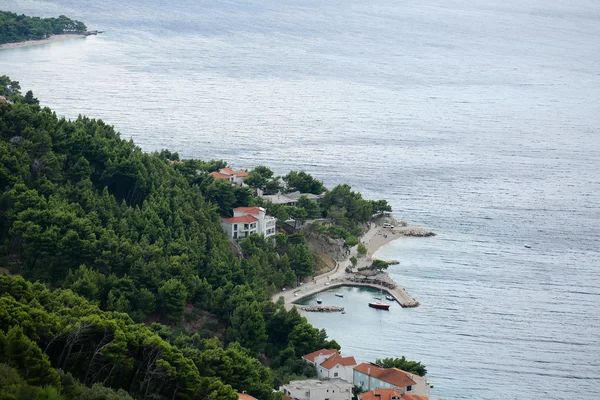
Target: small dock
<point>399,294</point>
<point>321,308</point>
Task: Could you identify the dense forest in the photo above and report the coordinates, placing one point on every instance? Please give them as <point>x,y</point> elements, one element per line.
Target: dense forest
<point>129,255</point>
<point>18,28</point>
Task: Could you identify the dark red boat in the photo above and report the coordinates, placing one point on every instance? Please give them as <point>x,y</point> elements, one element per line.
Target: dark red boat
<point>380,306</point>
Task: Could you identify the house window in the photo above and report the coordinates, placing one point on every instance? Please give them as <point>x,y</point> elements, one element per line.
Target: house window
<point>235,227</point>
<point>409,388</point>
<point>246,226</point>
<point>335,374</point>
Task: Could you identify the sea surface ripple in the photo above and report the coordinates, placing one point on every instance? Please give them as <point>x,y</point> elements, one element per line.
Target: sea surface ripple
<point>477,119</point>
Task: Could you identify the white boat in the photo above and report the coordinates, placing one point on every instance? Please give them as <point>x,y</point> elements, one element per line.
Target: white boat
<point>339,295</point>
<point>528,246</point>
<point>390,298</point>
<point>319,301</point>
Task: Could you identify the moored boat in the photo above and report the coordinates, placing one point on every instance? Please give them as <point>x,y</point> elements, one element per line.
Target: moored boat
<point>380,306</point>
<point>319,301</point>
<point>339,295</point>
<point>390,298</point>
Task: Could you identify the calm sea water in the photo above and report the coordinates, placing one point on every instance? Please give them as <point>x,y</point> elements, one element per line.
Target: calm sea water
<point>477,119</point>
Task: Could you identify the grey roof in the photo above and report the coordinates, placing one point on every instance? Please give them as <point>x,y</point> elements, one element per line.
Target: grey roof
<point>278,198</point>
<point>297,195</point>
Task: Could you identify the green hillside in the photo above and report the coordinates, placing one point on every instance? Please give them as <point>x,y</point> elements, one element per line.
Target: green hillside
<point>117,239</point>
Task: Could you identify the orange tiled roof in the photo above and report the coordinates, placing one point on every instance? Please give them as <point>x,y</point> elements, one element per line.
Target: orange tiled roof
<point>311,356</point>
<point>244,396</point>
<point>253,210</point>
<point>391,375</point>
<point>338,359</point>
<point>242,174</point>
<point>227,171</point>
<point>410,396</point>
<point>218,175</point>
<point>3,99</point>
<point>380,394</point>
<point>245,219</point>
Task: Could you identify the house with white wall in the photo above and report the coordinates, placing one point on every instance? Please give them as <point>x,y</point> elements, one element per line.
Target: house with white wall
<point>249,220</point>
<point>337,366</point>
<point>314,389</point>
<point>317,357</point>
<point>370,376</point>
<point>235,177</point>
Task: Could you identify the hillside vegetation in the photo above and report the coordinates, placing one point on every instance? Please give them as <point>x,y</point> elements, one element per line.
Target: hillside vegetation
<point>116,238</point>
<point>18,28</point>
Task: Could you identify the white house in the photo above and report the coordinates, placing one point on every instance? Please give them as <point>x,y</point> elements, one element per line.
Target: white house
<point>337,366</point>
<point>313,389</point>
<point>330,364</point>
<point>370,376</point>
<point>317,357</point>
<point>235,177</point>
<point>249,220</point>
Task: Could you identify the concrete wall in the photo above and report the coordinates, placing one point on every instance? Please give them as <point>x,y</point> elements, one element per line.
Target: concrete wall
<point>322,393</point>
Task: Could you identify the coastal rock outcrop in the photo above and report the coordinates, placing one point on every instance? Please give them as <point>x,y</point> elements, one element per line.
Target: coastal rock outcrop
<point>323,244</point>
<point>415,231</point>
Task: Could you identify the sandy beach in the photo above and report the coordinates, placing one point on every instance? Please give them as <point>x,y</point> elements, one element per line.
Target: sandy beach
<point>51,39</point>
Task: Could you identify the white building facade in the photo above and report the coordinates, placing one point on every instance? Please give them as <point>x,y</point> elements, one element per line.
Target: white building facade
<point>313,389</point>
<point>249,220</point>
<point>337,366</point>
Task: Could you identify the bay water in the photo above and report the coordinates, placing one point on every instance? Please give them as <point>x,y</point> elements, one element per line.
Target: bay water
<point>479,120</point>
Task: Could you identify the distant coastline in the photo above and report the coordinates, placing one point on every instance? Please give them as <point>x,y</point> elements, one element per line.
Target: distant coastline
<point>51,39</point>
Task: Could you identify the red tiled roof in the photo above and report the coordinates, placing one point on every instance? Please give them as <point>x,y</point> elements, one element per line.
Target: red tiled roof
<point>380,394</point>
<point>227,171</point>
<point>244,396</point>
<point>338,359</point>
<point>3,99</point>
<point>391,375</point>
<point>311,357</point>
<point>252,210</point>
<point>242,174</point>
<point>410,396</point>
<point>245,219</point>
<point>218,175</point>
